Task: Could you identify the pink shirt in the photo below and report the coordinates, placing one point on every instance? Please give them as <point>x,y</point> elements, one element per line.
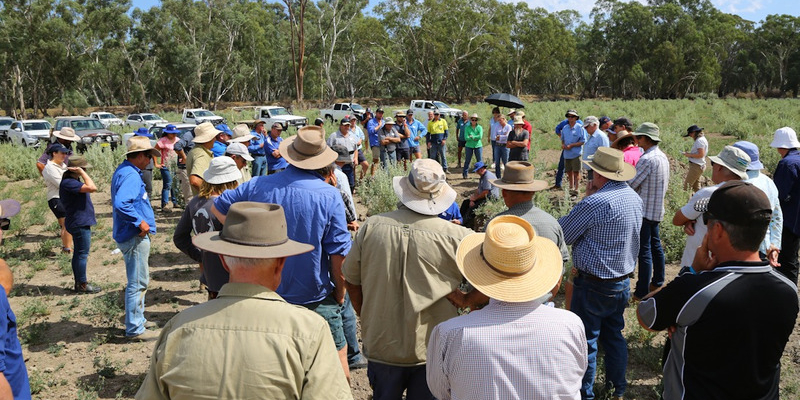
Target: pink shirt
<point>167,149</point>
<point>632,154</point>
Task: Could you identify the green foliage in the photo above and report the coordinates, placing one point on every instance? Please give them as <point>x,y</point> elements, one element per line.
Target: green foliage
<point>18,163</point>
<point>104,162</point>
<point>104,309</point>
<point>377,192</point>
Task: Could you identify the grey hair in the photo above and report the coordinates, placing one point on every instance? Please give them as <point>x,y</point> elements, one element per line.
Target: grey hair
<point>238,262</point>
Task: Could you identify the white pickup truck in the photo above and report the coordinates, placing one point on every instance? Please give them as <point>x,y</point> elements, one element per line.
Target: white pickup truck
<point>199,115</point>
<point>340,110</point>
<point>421,108</point>
<point>273,114</point>
<point>106,118</point>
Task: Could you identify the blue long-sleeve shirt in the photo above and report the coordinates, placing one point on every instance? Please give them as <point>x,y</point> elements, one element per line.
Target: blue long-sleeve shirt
<point>255,146</point>
<point>787,179</point>
<point>372,131</point>
<point>130,204</point>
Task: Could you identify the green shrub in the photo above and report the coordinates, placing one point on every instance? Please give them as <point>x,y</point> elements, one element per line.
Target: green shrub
<point>18,163</point>
<point>377,192</point>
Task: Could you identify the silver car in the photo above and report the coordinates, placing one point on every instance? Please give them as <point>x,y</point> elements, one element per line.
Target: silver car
<point>30,132</point>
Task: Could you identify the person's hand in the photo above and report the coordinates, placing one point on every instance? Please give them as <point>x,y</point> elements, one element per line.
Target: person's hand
<point>157,166</point>
<point>456,221</point>
<point>353,226</point>
<point>703,260</point>
<point>75,169</point>
<point>144,229</point>
<point>772,256</point>
<point>564,147</point>
<point>429,145</point>
<point>671,330</point>
<point>688,228</point>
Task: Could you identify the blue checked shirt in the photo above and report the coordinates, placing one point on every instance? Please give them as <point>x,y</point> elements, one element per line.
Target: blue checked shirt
<point>652,177</point>
<point>603,230</point>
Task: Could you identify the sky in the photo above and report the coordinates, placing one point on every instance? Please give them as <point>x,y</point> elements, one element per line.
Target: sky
<point>753,10</point>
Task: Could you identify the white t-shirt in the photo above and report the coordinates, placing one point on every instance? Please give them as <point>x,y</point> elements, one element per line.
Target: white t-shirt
<point>52,175</point>
<point>688,211</point>
<point>700,143</point>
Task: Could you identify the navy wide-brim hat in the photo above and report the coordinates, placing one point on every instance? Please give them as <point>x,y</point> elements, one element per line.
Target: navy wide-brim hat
<point>478,165</point>
<point>143,132</point>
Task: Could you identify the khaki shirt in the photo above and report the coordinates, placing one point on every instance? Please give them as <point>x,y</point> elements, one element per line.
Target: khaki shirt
<point>197,162</point>
<point>247,344</point>
<point>406,265</point>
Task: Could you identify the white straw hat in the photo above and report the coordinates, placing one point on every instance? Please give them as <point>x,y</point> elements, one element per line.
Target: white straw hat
<point>241,134</point>
<point>424,190</point>
<point>205,133</point>
<point>222,170</point>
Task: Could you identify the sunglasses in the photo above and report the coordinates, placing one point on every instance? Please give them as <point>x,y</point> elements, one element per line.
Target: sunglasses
<point>473,119</point>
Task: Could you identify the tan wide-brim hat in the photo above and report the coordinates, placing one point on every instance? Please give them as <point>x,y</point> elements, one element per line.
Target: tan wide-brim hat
<point>308,149</point>
<point>67,133</point>
<point>205,133</point>
<point>615,144</point>
<point>611,164</point>
<point>518,176</point>
<point>241,134</point>
<point>510,262</point>
<point>138,144</point>
<point>424,190</point>
<point>475,116</point>
<point>243,234</point>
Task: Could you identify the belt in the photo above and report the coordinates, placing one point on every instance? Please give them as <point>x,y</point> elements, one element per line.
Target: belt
<point>598,279</point>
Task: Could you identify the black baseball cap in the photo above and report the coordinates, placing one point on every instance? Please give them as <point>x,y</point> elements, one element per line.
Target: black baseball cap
<point>379,110</point>
<point>739,203</point>
<point>693,129</point>
<point>623,121</point>
<point>604,119</point>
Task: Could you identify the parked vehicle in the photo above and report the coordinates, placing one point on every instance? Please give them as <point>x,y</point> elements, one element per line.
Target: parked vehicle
<point>146,120</point>
<point>199,115</point>
<point>106,118</point>
<point>90,130</point>
<point>158,128</point>
<point>421,108</point>
<point>29,132</point>
<point>273,114</point>
<point>5,124</point>
<point>340,110</point>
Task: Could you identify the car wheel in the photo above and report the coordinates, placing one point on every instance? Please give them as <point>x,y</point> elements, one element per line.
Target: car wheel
<point>285,127</point>
<point>329,117</point>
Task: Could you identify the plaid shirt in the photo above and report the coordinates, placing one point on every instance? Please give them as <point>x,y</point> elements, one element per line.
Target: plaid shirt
<point>603,230</point>
<point>652,177</point>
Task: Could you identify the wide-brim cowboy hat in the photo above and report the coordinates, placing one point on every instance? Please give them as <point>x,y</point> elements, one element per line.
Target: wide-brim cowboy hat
<point>616,142</point>
<point>243,234</point>
<point>138,144</point>
<point>205,133</point>
<point>308,149</point>
<point>424,190</point>
<point>510,262</point>
<point>67,133</point>
<point>611,164</point>
<point>518,176</point>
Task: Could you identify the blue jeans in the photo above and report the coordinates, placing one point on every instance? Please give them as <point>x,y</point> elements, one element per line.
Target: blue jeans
<point>349,326</point>
<point>439,153</point>
<point>388,382</point>
<point>166,187</point>
<point>81,242</point>
<point>651,259</point>
<point>500,156</point>
<point>468,157</point>
<point>259,165</point>
<point>329,309</point>
<point>601,307</point>
<point>560,170</point>
<point>350,172</point>
<point>135,252</point>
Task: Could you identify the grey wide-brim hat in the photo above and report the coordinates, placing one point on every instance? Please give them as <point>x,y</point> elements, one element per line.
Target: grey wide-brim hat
<point>611,164</point>
<point>734,159</point>
<point>308,149</point>
<point>650,130</point>
<point>243,234</point>
<point>518,176</point>
<point>139,144</point>
<point>424,190</point>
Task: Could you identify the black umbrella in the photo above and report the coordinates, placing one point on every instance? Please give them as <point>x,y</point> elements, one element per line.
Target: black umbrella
<point>504,100</point>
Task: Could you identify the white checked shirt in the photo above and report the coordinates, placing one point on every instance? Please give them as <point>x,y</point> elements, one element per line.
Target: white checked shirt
<point>508,351</point>
<point>652,177</point>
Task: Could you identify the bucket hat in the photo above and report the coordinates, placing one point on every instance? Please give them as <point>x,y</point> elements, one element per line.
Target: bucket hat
<point>78,162</point>
<point>752,151</point>
<point>241,134</point>
<point>650,130</point>
<point>518,176</point>
<point>591,120</point>
<point>343,155</point>
<point>243,234</point>
<point>170,129</point>
<point>222,170</point>
<point>205,133</point>
<point>510,262</point>
<point>785,138</point>
<point>611,164</point>
<point>141,143</point>
<point>308,149</point>
<point>388,121</point>
<point>67,133</point>
<point>143,132</point>
<point>424,190</point>
<point>571,113</point>
<point>734,159</point>
<point>238,149</point>
<point>518,120</point>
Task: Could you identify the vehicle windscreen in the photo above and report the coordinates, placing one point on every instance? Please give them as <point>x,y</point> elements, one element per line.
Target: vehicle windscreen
<point>439,104</point>
<point>5,123</point>
<point>151,117</point>
<point>36,126</point>
<point>356,107</point>
<point>86,124</point>
<point>106,116</point>
<point>203,113</point>
<point>278,111</point>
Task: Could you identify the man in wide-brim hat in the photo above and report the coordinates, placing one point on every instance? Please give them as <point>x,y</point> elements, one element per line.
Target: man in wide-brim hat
<point>603,230</point>
<point>518,187</point>
<point>199,158</point>
<point>517,269</point>
<point>412,245</point>
<point>314,279</point>
<point>288,351</point>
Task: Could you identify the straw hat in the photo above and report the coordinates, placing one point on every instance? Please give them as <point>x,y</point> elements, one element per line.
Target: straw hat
<point>611,164</point>
<point>518,176</point>
<point>222,170</point>
<point>67,133</point>
<point>424,190</point>
<point>518,120</point>
<point>475,116</point>
<point>78,162</point>
<point>510,262</point>
<point>141,143</point>
<point>625,135</point>
<point>241,134</point>
<point>308,149</point>
<point>205,133</point>
<point>243,234</point>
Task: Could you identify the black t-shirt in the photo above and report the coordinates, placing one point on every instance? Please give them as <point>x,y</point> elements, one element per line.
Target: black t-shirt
<point>77,205</point>
<point>732,325</point>
<point>518,153</point>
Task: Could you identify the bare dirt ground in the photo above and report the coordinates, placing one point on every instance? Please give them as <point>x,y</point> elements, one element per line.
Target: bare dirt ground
<point>73,345</point>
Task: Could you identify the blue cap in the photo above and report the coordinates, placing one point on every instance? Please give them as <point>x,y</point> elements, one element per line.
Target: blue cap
<point>57,148</point>
<point>143,132</point>
<point>224,128</point>
<point>478,165</point>
<point>604,119</point>
<point>751,150</point>
<point>170,129</point>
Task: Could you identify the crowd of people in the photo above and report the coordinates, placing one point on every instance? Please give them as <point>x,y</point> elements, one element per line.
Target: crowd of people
<point>446,312</point>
